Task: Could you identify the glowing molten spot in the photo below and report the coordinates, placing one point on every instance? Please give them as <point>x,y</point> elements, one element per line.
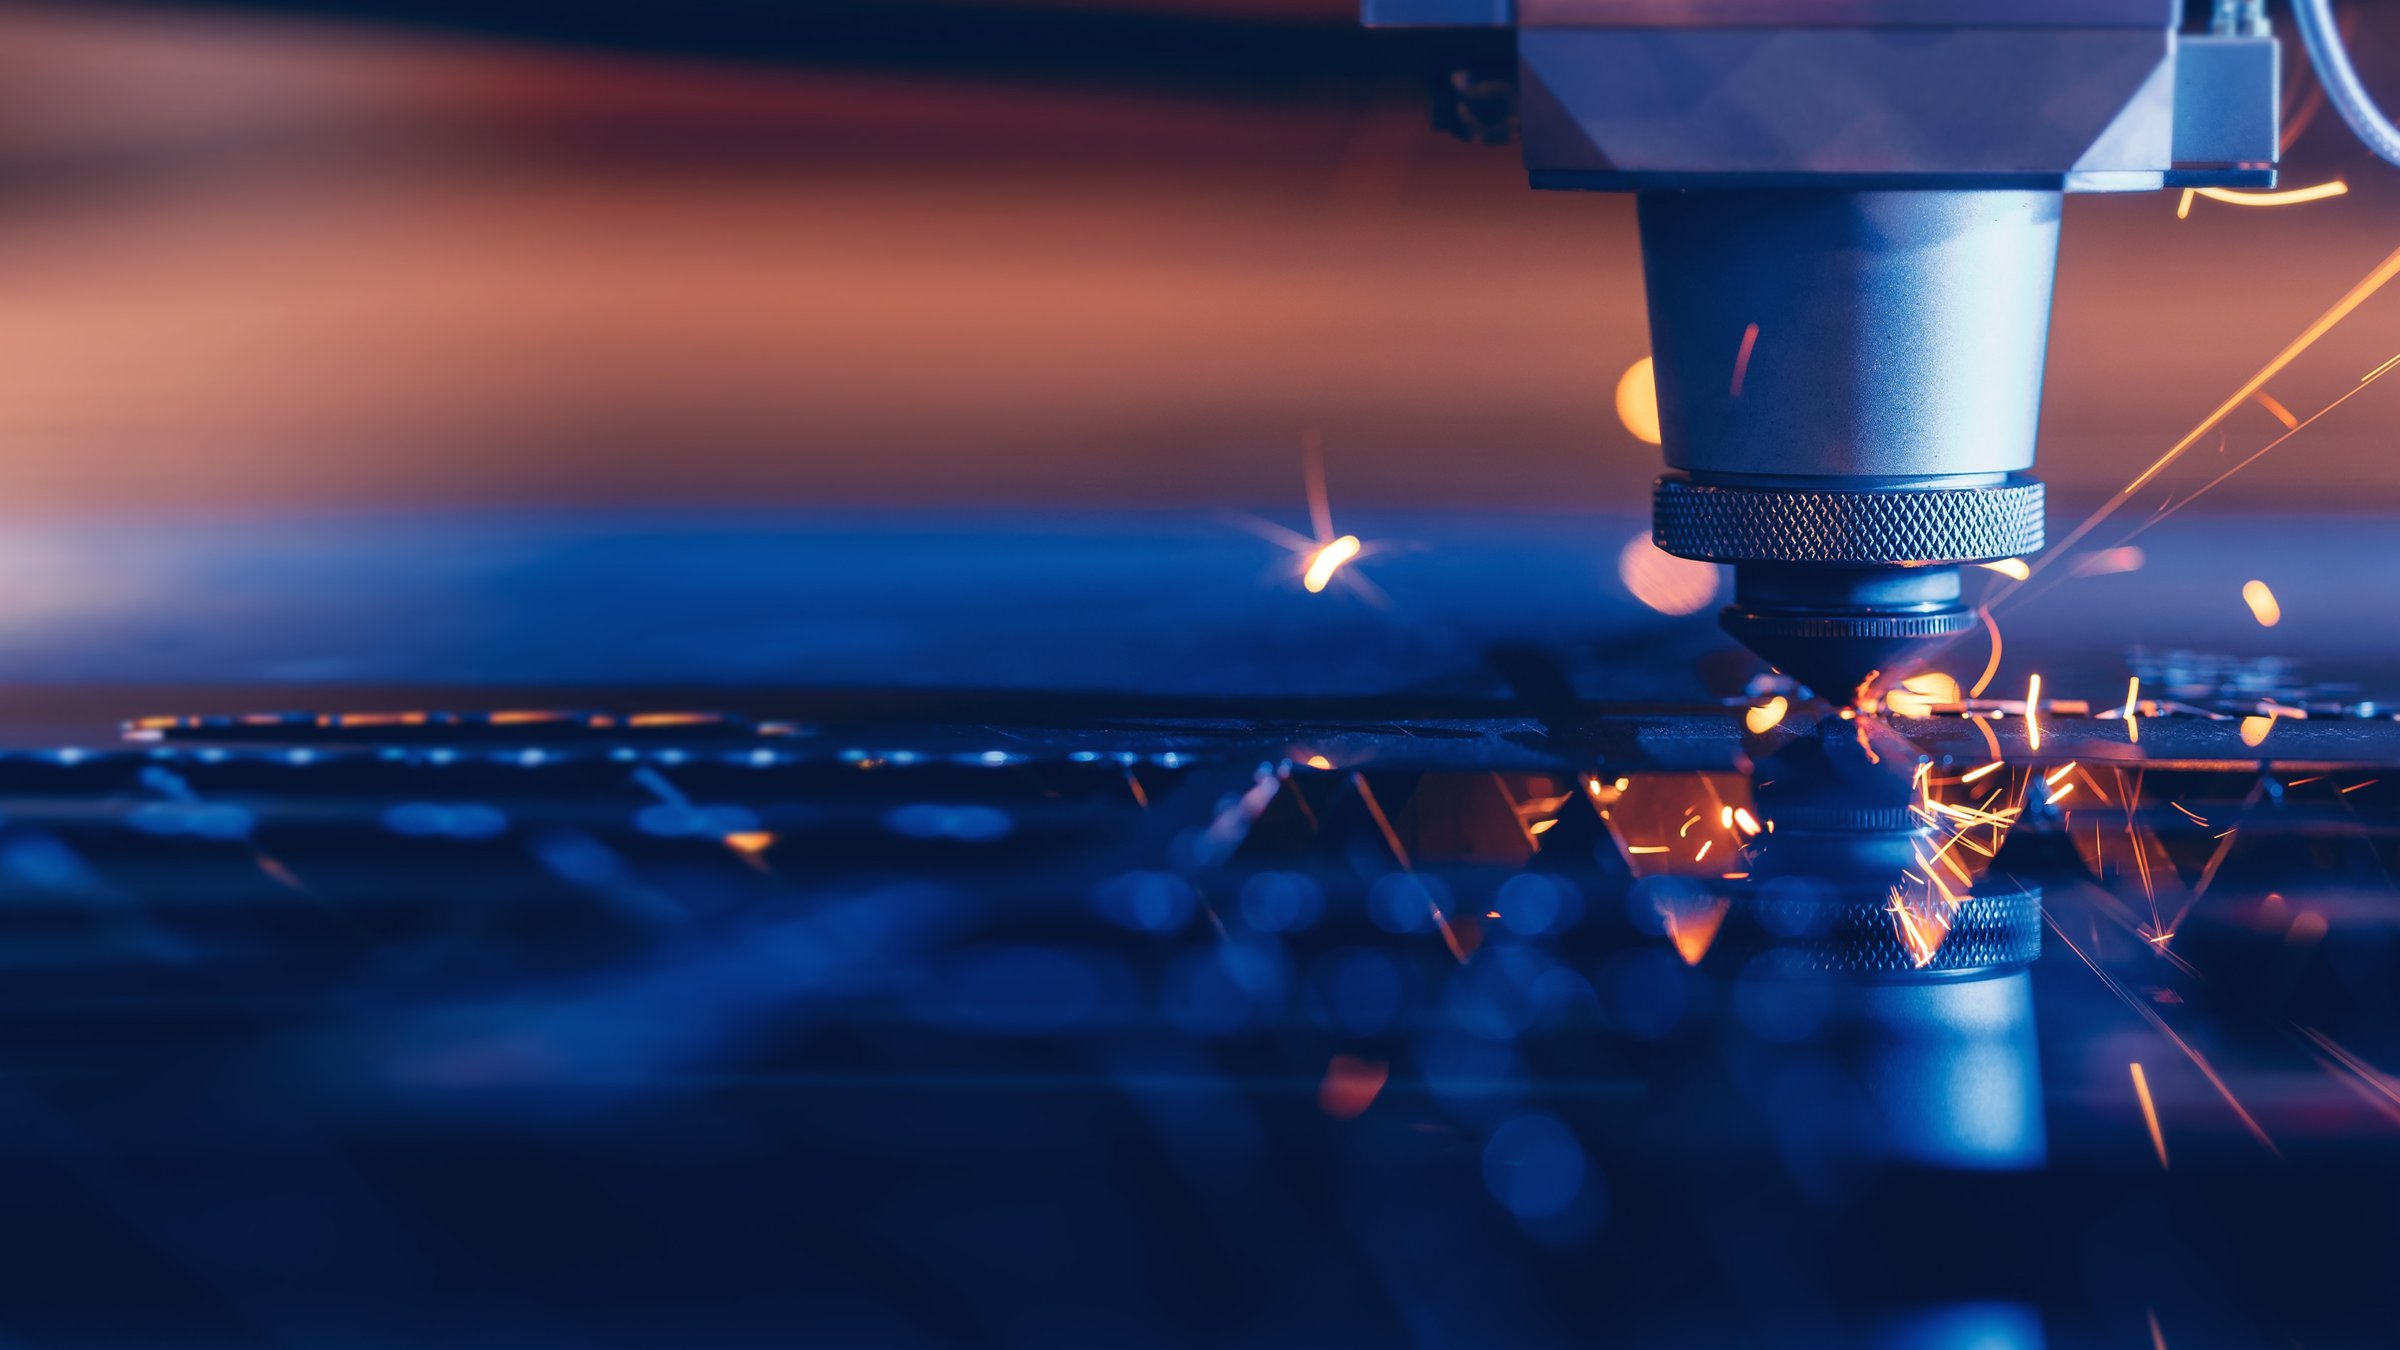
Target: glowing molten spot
<point>2262,603</point>
<point>1692,924</point>
<point>1767,716</point>
<point>1664,582</point>
<point>2255,729</point>
<point>1350,1086</point>
<point>1637,400</point>
<point>2012,568</point>
<point>1327,561</point>
<point>1919,695</point>
<point>750,842</point>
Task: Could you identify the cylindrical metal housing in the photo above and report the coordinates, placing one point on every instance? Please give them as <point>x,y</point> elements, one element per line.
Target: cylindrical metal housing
<point>1871,337</point>
<point>1848,383</point>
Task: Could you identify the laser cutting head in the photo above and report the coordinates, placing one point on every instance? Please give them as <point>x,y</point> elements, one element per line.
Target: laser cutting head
<point>1848,383</point>
<point>1849,221</point>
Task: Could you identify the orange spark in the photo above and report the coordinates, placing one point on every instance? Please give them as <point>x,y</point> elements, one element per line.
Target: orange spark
<point>2356,786</point>
<point>2365,1072</point>
<point>1350,1086</point>
<point>2183,208</point>
<point>1923,935</point>
<point>2212,484</point>
<point>1391,837</point>
<point>1328,560</point>
<point>2255,729</point>
<point>2158,1024</point>
<point>1741,360</point>
<point>2288,197</point>
<point>2324,323</point>
<point>1957,869</point>
<point>2033,702</point>
<point>1462,939</point>
<point>2281,413</point>
<point>2141,1091</point>
<point>2262,603</point>
<point>750,843</point>
<point>1646,848</point>
<point>2012,568</point>
<point>2133,699</point>
<point>2189,812</point>
<point>1987,770</point>
<point>1992,666</point>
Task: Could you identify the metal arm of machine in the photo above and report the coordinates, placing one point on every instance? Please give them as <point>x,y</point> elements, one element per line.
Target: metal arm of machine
<point>1849,220</point>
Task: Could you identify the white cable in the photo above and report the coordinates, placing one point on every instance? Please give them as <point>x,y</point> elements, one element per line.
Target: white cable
<point>2340,79</point>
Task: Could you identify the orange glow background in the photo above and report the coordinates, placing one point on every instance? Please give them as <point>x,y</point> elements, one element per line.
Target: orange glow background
<point>259,261</point>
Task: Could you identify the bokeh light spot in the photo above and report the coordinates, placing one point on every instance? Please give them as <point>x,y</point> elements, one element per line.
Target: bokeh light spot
<point>1664,582</point>
<point>2263,605</point>
<point>1637,400</point>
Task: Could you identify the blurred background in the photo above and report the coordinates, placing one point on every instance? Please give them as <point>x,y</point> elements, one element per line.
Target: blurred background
<point>428,253</point>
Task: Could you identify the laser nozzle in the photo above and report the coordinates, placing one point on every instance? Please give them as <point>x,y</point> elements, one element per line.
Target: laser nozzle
<point>1848,385</point>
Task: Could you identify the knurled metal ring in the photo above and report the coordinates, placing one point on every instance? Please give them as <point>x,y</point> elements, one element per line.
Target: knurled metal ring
<point>1882,525</point>
<point>1859,935</point>
<point>1751,624</point>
